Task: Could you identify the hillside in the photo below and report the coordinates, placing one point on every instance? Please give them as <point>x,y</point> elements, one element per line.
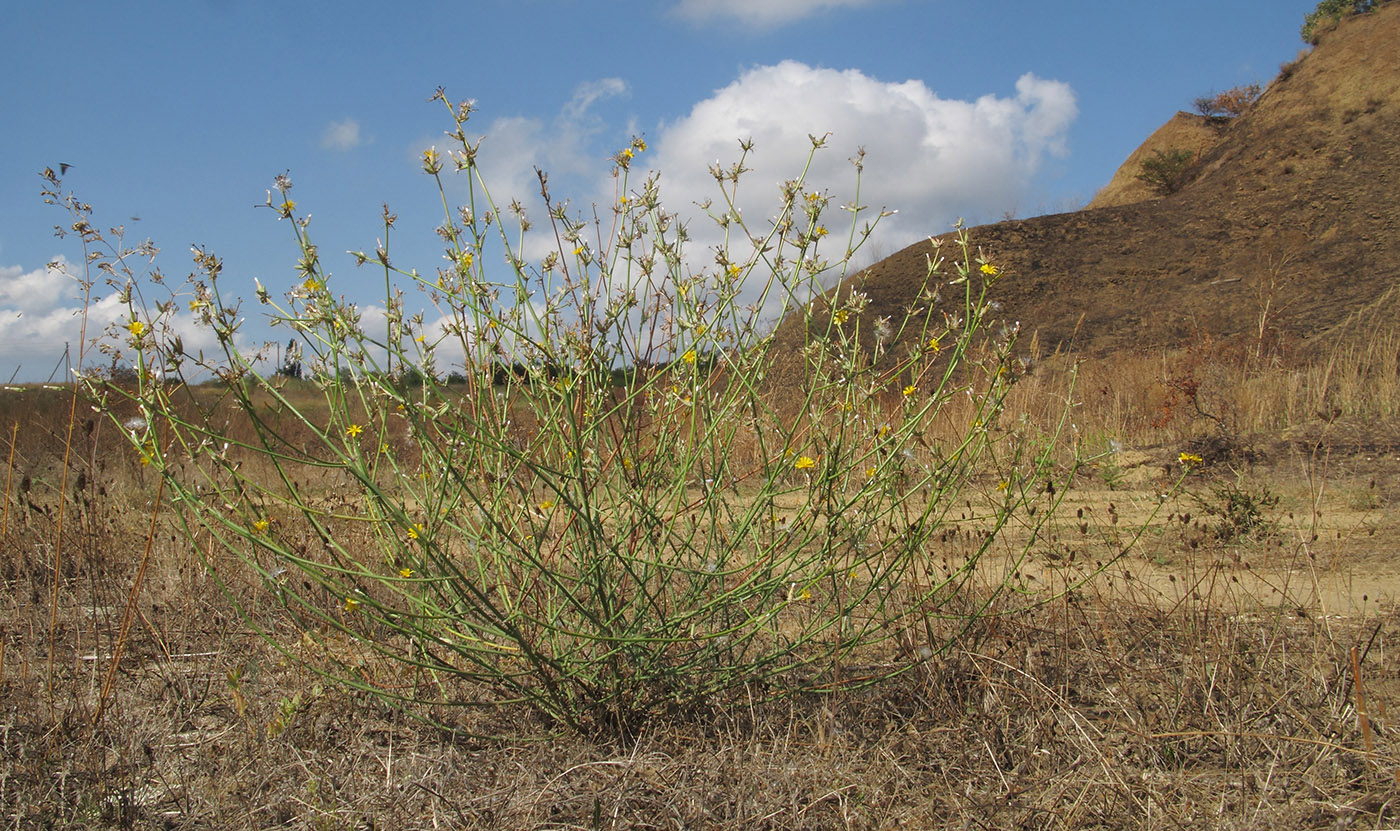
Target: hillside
<point>1300,193</point>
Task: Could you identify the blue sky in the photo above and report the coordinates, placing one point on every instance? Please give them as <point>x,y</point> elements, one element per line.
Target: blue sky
<point>181,113</point>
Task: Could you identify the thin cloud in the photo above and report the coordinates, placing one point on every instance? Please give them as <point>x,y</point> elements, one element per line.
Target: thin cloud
<point>342,135</point>
<point>761,14</point>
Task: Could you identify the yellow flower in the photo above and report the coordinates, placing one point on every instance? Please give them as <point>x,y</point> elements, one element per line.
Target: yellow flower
<point>806,595</point>
<point>351,604</point>
<point>1003,485</point>
<point>311,284</point>
<point>639,144</point>
<point>870,473</point>
<point>910,390</point>
<point>934,345</point>
<point>136,328</point>
<point>432,161</point>
<point>1190,460</point>
<point>841,316</point>
<point>260,526</point>
<point>821,231</point>
<point>405,573</point>
<point>734,270</point>
<point>287,207</point>
<point>689,357</point>
<point>546,505</point>
<point>415,531</point>
<point>804,463</point>
<point>354,430</point>
<point>989,270</point>
<point>196,305</point>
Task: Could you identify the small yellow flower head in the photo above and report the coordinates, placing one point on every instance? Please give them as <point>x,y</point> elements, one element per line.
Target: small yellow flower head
<point>805,595</point>
<point>260,527</point>
<point>690,357</point>
<point>934,345</point>
<point>910,390</point>
<point>734,270</point>
<point>870,473</point>
<point>1003,485</point>
<point>406,573</point>
<point>312,284</point>
<point>1190,460</point>
<point>136,328</point>
<point>354,430</point>
<point>546,505</point>
<point>990,270</point>
<point>804,463</point>
<point>196,305</point>
<point>639,144</point>
<point>286,208</point>
<point>841,316</point>
<point>415,531</point>
<point>821,231</point>
<point>432,161</point>
<point>350,604</point>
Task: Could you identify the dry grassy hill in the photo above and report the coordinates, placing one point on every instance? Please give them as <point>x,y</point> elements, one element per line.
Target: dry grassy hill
<point>1298,194</point>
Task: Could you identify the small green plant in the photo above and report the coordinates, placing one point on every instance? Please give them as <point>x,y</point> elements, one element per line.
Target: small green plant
<point>1331,11</point>
<point>1166,171</point>
<point>596,510</point>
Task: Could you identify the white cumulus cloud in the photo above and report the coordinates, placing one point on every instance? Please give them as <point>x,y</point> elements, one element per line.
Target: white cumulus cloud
<point>41,316</point>
<point>761,13</point>
<point>341,135</point>
<point>932,159</point>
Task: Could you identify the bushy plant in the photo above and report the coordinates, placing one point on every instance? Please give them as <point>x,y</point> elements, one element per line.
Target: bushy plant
<point>1228,104</point>
<point>626,525</point>
<point>1166,171</point>
<point>1331,11</point>
<point>1242,510</point>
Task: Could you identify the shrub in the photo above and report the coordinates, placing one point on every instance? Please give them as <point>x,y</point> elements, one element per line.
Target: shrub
<point>1228,104</point>
<point>1166,171</point>
<point>1331,11</point>
<point>620,525</point>
<point>1242,511</point>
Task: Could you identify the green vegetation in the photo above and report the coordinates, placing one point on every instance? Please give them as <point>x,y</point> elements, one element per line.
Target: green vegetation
<point>1331,11</point>
<point>1166,171</point>
<point>622,524</point>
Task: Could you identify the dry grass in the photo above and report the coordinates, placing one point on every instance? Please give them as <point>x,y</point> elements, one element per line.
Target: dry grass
<point>1202,681</point>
